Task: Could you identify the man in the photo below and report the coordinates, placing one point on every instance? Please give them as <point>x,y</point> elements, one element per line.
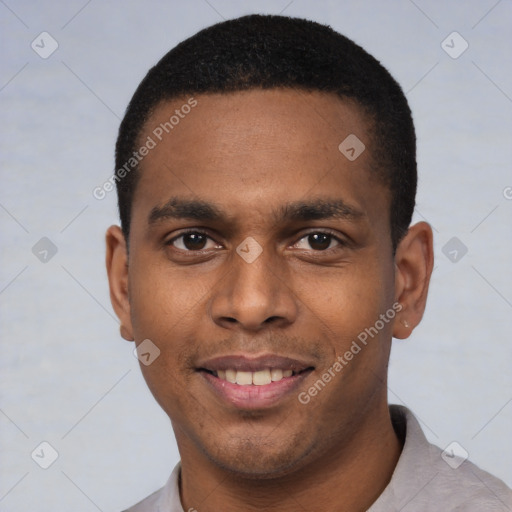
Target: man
<point>266,176</point>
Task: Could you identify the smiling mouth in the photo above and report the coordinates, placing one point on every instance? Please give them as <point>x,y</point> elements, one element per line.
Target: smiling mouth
<point>261,377</point>
<point>253,383</point>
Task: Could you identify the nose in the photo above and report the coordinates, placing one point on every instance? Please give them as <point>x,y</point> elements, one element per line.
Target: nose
<point>254,295</point>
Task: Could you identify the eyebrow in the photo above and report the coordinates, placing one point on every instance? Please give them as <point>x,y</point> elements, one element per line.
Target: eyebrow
<point>200,210</point>
<point>177,208</point>
<point>317,210</point>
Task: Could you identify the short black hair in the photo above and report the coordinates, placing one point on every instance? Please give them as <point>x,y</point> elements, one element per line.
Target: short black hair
<point>265,52</point>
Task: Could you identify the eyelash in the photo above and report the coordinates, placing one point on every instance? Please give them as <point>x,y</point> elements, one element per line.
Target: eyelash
<point>340,242</point>
<point>185,233</point>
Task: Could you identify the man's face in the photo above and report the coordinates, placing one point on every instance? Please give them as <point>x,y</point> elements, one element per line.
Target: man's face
<point>243,173</point>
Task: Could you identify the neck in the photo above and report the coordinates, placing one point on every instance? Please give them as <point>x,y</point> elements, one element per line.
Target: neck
<point>352,473</point>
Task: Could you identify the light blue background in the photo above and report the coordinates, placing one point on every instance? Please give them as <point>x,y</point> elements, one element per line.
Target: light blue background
<point>69,379</point>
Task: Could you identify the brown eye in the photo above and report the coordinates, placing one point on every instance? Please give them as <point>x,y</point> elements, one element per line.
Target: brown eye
<point>192,241</point>
<point>317,241</point>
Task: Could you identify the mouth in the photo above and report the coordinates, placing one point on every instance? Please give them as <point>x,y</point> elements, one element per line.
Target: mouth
<point>253,383</point>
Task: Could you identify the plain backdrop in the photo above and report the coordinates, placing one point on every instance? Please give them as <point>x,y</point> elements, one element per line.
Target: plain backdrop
<point>67,377</point>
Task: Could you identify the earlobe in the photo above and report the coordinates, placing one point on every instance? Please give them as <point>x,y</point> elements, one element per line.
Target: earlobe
<point>414,260</point>
<point>117,270</point>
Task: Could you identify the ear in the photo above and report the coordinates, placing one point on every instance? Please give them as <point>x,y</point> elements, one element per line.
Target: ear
<point>414,260</point>
<point>117,270</point>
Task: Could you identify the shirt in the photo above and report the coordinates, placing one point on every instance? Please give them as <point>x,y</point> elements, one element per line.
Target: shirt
<point>425,479</point>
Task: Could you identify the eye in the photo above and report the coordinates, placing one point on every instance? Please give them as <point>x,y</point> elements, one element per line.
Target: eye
<point>193,241</point>
<point>318,241</point>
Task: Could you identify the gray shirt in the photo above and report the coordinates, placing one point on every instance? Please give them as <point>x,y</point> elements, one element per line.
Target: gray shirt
<point>424,480</point>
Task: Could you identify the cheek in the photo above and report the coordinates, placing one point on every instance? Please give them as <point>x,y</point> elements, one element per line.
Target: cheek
<point>347,299</point>
<point>163,299</point>
<point>164,305</point>
<point>348,308</point>
<point>346,305</point>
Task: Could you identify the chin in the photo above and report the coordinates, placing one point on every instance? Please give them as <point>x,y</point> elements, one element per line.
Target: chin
<point>257,459</point>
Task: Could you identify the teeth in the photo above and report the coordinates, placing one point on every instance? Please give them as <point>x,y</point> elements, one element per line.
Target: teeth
<point>244,378</point>
<point>258,378</point>
<point>276,374</point>
<point>261,378</point>
<point>231,376</point>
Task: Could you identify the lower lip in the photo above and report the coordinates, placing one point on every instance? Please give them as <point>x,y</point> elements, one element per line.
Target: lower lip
<point>254,397</point>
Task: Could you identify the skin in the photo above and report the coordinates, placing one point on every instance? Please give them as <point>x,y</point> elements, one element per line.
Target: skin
<point>250,153</point>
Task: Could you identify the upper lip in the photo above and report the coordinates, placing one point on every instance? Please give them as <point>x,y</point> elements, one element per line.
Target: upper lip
<point>250,363</point>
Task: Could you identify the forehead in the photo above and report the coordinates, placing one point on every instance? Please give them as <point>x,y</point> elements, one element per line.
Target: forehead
<point>273,119</point>
<point>258,148</point>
